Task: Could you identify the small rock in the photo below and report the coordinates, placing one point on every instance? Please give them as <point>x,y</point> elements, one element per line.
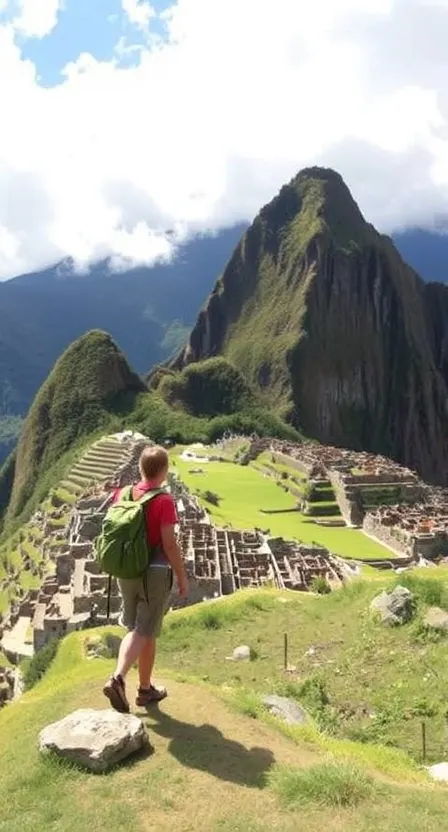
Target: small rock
<point>96,740</point>
<point>241,653</point>
<point>439,772</point>
<point>395,607</point>
<point>436,619</point>
<point>286,709</point>
<point>311,651</point>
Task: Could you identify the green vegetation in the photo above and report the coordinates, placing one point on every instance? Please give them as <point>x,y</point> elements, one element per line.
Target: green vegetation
<point>209,388</point>
<point>77,399</point>
<point>7,472</point>
<point>10,427</point>
<point>4,662</point>
<point>240,768</point>
<point>35,668</point>
<point>337,783</point>
<point>245,494</point>
<point>91,390</point>
<point>358,681</point>
<point>147,311</point>
<point>373,496</point>
<point>266,303</point>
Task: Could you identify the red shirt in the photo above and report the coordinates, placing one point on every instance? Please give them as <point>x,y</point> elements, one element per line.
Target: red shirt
<point>161,511</point>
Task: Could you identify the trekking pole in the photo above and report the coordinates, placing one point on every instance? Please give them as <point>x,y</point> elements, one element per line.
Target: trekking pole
<point>424,741</point>
<point>109,593</point>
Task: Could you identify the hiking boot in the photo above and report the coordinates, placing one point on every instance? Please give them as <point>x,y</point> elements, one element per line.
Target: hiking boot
<point>146,696</point>
<point>115,691</point>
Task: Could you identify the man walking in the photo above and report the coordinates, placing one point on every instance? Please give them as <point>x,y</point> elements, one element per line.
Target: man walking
<point>145,599</point>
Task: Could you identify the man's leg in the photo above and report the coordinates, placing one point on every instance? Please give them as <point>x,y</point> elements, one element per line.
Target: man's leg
<point>115,689</point>
<point>148,692</point>
<point>159,587</point>
<point>146,663</point>
<point>130,647</point>
<point>130,650</point>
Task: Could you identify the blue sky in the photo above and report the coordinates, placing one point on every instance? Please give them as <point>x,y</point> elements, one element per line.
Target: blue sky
<point>194,121</point>
<point>94,26</point>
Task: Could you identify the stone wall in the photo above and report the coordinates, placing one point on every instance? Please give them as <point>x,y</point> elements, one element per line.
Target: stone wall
<point>419,530</point>
<point>399,543</point>
<point>347,500</point>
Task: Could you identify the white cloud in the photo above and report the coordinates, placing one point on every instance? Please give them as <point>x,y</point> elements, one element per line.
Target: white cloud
<point>208,125</point>
<point>139,12</point>
<point>37,18</point>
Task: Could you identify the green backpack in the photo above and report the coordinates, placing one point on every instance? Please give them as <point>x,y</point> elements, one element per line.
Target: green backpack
<point>122,550</point>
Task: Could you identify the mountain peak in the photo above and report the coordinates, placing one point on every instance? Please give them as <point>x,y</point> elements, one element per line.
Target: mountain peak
<point>321,316</point>
<point>77,398</point>
<point>317,203</point>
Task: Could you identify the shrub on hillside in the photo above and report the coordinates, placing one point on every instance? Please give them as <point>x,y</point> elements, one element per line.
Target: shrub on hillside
<point>207,388</point>
<point>320,585</point>
<point>38,665</point>
<point>211,497</point>
<point>431,592</point>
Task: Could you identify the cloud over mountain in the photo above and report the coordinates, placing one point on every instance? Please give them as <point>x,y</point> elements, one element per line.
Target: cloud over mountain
<point>222,102</point>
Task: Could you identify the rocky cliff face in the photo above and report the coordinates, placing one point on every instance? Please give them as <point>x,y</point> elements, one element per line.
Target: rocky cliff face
<point>319,311</point>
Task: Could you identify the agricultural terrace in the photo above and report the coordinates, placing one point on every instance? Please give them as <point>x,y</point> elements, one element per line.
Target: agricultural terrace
<point>244,491</point>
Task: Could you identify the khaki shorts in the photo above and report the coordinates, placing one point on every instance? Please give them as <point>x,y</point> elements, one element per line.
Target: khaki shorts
<point>146,616</point>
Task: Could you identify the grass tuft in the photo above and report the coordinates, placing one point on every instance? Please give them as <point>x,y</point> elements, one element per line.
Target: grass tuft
<point>331,783</point>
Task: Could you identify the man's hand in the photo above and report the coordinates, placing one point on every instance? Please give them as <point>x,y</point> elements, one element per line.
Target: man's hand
<point>183,587</point>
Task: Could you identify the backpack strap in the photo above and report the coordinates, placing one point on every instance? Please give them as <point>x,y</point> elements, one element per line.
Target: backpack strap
<point>147,496</point>
<point>150,495</point>
<point>126,493</point>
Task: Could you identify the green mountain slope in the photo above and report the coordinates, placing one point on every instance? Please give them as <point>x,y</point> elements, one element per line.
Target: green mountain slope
<point>92,389</point>
<point>148,311</point>
<point>81,393</point>
<point>321,316</point>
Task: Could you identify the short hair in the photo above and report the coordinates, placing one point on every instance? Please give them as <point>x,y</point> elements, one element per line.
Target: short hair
<point>153,460</point>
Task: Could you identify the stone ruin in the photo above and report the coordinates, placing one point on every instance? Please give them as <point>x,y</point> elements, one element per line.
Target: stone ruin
<point>219,561</point>
<point>418,531</point>
<point>361,481</point>
<point>388,501</point>
<point>72,594</point>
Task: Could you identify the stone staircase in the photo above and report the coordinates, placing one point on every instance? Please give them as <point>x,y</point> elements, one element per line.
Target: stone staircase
<point>99,464</point>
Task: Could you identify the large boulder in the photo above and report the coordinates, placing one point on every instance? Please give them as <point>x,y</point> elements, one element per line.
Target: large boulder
<point>394,607</point>
<point>96,740</point>
<point>439,772</point>
<point>286,709</point>
<point>436,619</point>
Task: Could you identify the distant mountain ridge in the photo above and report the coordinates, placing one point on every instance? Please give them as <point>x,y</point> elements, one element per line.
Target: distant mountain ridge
<point>322,316</point>
<point>425,251</point>
<point>148,311</point>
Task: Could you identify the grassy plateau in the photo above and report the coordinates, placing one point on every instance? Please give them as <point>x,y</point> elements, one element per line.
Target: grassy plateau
<point>245,493</point>
<point>219,760</point>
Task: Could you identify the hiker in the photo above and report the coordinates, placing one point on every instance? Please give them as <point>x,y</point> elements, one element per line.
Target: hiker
<point>145,599</point>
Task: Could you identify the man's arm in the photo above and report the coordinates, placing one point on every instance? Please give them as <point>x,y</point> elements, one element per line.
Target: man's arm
<point>174,555</point>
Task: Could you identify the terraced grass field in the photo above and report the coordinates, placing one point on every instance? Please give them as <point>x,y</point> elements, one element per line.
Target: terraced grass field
<point>244,491</point>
